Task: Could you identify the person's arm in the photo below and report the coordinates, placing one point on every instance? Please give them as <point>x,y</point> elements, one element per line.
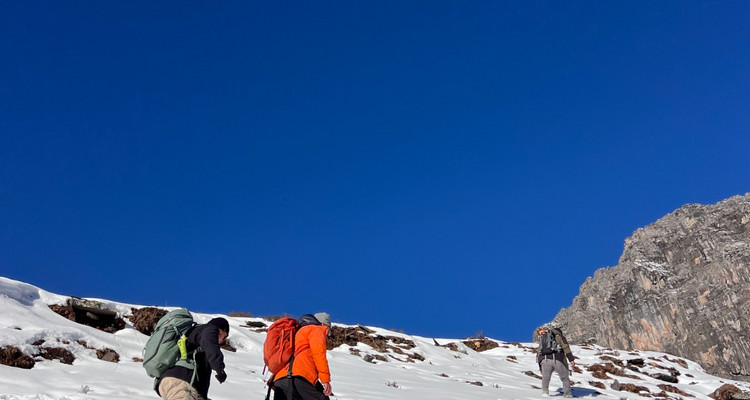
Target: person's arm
<point>563,342</point>
<point>209,342</point>
<point>318,350</point>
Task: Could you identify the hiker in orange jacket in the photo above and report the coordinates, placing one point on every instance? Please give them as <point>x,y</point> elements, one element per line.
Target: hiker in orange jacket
<point>310,378</point>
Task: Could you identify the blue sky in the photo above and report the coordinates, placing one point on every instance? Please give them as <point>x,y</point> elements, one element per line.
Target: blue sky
<point>440,168</point>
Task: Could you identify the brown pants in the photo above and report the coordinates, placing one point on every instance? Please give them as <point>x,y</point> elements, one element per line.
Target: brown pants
<point>177,389</point>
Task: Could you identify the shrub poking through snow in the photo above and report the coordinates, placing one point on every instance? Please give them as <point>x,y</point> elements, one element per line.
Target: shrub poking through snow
<point>13,357</point>
<point>672,389</point>
<point>480,344</point>
<point>57,353</point>
<point>257,326</point>
<point>144,319</point>
<point>351,336</point>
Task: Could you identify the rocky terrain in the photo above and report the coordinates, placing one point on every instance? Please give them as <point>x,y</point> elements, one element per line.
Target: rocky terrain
<point>681,286</point>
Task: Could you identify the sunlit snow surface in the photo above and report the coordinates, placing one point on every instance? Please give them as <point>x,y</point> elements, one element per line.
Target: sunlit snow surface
<point>25,318</point>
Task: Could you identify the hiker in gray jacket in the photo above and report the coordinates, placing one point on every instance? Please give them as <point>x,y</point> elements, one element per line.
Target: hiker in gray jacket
<point>553,356</point>
<point>175,383</point>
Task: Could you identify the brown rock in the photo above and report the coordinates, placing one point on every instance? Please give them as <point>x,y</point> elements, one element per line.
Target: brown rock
<point>681,286</point>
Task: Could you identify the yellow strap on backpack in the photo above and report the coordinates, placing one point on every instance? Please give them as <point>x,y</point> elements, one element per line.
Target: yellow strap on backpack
<point>183,347</point>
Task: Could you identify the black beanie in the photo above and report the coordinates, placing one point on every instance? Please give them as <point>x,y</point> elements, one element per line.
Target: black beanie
<point>220,323</point>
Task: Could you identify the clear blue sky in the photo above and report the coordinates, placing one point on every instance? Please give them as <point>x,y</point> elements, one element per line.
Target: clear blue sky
<point>438,167</point>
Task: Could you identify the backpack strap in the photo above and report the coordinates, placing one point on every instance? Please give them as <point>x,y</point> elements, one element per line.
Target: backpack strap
<point>291,363</point>
<point>184,361</point>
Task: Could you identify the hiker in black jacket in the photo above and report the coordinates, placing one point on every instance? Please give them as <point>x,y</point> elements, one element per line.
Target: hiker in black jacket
<point>203,341</point>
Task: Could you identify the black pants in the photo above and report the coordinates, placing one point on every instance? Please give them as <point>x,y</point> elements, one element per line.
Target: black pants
<point>303,390</point>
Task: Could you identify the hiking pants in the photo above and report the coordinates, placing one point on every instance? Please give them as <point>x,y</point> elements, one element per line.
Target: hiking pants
<point>303,390</point>
<point>176,389</point>
<point>550,365</point>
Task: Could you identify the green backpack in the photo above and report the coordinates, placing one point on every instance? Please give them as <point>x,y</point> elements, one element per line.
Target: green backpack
<point>166,347</point>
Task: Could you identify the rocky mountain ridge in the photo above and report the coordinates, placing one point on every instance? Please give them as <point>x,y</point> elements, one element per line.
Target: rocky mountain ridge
<point>681,286</point>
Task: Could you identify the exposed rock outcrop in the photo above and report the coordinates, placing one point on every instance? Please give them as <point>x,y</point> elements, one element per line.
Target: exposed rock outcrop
<point>681,286</point>
<point>90,312</point>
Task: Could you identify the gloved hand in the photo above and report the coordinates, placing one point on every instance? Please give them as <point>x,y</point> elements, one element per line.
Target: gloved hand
<point>221,376</point>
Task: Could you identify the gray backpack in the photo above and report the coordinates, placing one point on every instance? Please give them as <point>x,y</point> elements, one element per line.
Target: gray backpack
<point>547,342</point>
<point>166,347</point>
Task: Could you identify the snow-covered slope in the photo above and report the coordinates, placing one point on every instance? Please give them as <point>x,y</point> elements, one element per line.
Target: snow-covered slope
<point>505,372</point>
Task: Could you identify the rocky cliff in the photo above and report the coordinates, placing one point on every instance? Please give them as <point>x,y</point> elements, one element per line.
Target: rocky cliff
<point>681,286</point>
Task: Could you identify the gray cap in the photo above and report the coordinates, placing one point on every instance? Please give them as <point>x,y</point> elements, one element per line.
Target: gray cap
<point>323,318</point>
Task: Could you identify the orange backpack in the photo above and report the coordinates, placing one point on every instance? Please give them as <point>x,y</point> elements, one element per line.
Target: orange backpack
<point>278,348</point>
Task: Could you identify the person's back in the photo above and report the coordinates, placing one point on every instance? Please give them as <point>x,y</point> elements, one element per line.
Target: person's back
<point>309,365</point>
<point>203,341</point>
<point>554,357</point>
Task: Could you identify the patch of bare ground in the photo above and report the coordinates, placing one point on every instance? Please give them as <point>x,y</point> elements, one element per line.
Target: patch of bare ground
<point>106,354</point>
<point>532,374</point>
<point>351,336</point>
<point>672,371</point>
<point>228,346</point>
<point>600,371</point>
<point>370,358</point>
<point>613,360</point>
<point>57,353</point>
<point>480,344</point>
<point>453,346</point>
<point>636,362</point>
<point>682,363</point>
<point>144,319</point>
<point>14,357</point>
<point>632,388</point>
<point>597,384</point>
<point>90,313</point>
<point>520,346</point>
<point>665,377</point>
<point>240,314</point>
<point>673,389</point>
<point>256,326</point>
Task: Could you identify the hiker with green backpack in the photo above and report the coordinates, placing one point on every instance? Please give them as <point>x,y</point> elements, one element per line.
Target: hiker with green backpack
<point>180,355</point>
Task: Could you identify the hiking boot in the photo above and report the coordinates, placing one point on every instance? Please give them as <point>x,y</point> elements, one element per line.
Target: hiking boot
<point>545,392</point>
<point>567,395</point>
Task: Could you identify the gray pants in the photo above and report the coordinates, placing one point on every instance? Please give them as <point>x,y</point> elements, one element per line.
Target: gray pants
<point>550,365</point>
